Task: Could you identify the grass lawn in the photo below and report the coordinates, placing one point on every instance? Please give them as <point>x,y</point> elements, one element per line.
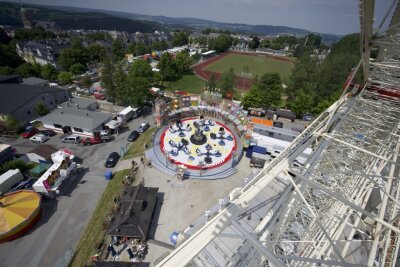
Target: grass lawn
<point>95,230</point>
<point>137,148</point>
<point>189,83</point>
<point>252,64</point>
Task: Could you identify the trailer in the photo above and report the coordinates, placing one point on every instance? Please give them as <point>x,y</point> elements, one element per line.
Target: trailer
<point>127,114</point>
<point>9,179</point>
<point>50,182</point>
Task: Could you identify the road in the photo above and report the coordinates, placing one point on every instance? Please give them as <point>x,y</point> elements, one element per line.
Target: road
<point>64,220</point>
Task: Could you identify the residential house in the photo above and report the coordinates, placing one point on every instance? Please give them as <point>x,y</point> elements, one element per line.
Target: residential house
<point>19,100</point>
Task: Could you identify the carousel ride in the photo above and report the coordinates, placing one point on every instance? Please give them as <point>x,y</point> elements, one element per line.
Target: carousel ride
<point>198,143</point>
<point>18,212</point>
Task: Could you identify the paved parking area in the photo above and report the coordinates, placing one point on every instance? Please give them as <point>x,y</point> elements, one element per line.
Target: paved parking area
<point>180,203</point>
<point>64,220</point>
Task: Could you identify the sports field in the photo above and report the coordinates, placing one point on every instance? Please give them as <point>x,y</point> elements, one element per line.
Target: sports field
<point>249,65</point>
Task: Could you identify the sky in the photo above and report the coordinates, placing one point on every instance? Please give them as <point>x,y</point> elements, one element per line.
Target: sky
<point>323,16</point>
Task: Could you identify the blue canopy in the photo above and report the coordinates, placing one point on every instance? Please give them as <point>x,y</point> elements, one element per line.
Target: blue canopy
<point>260,150</point>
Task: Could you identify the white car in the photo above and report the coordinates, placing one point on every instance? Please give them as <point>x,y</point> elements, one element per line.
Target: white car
<point>40,138</point>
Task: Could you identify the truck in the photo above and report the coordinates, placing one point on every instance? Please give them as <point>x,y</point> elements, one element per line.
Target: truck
<point>129,113</point>
<point>98,137</point>
<point>114,125</point>
<point>126,114</point>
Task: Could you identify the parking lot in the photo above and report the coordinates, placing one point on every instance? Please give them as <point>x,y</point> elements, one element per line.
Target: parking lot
<point>63,220</point>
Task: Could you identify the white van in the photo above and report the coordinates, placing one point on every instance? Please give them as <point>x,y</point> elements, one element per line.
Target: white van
<point>74,139</point>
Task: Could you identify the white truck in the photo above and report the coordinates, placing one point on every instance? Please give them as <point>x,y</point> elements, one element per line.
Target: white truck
<point>126,114</point>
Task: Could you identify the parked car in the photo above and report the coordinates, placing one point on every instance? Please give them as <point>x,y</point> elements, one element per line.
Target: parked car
<point>307,117</point>
<point>29,132</point>
<point>74,139</point>
<point>143,127</point>
<point>133,136</point>
<point>39,138</point>
<point>112,160</point>
<point>48,133</point>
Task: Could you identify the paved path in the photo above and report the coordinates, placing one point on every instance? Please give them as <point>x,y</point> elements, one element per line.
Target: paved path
<point>64,220</point>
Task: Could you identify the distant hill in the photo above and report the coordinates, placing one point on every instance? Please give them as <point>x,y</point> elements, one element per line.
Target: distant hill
<point>195,23</point>
<point>76,18</point>
<point>10,15</point>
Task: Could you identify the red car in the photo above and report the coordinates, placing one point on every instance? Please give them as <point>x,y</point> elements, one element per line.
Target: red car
<point>29,132</point>
<point>91,141</point>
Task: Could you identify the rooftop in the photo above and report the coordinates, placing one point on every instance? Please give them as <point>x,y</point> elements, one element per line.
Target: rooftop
<point>44,151</point>
<point>14,95</point>
<point>133,218</point>
<point>34,81</point>
<point>79,118</point>
<point>81,103</point>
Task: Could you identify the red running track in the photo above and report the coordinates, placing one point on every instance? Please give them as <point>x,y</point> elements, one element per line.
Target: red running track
<point>241,82</point>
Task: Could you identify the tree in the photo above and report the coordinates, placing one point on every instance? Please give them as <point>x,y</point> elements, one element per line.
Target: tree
<point>120,85</point>
<point>65,77</point>
<point>254,43</point>
<point>5,70</point>
<point>75,54</point>
<point>302,103</point>
<point>211,83</point>
<point>140,49</point>
<point>182,62</point>
<point>4,38</point>
<point>221,43</point>
<point>15,164</point>
<point>49,72</point>
<point>9,56</point>
<point>137,90</point>
<point>97,52</point>
<point>180,38</point>
<point>164,45</point>
<point>107,78</point>
<point>77,68</point>
<point>86,81</point>
<point>28,70</point>
<point>227,82</point>
<point>11,124</point>
<point>167,68</point>
<point>252,98</point>
<point>141,68</point>
<point>118,49</point>
<point>41,109</point>
<point>271,81</point>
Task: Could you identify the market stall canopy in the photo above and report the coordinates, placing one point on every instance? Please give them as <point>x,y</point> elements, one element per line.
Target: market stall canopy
<point>39,169</point>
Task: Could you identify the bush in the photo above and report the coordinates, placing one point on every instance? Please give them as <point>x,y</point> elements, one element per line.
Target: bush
<point>41,109</point>
<point>15,164</point>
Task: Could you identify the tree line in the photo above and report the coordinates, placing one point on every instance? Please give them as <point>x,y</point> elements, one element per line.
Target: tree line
<point>130,86</point>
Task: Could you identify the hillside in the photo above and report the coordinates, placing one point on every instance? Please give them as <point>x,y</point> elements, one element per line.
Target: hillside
<point>76,18</point>
<point>10,15</point>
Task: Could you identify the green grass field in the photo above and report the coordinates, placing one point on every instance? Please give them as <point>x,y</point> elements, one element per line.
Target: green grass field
<point>243,64</point>
<point>189,83</point>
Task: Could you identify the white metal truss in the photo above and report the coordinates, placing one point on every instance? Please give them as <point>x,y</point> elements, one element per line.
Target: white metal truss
<point>340,208</point>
